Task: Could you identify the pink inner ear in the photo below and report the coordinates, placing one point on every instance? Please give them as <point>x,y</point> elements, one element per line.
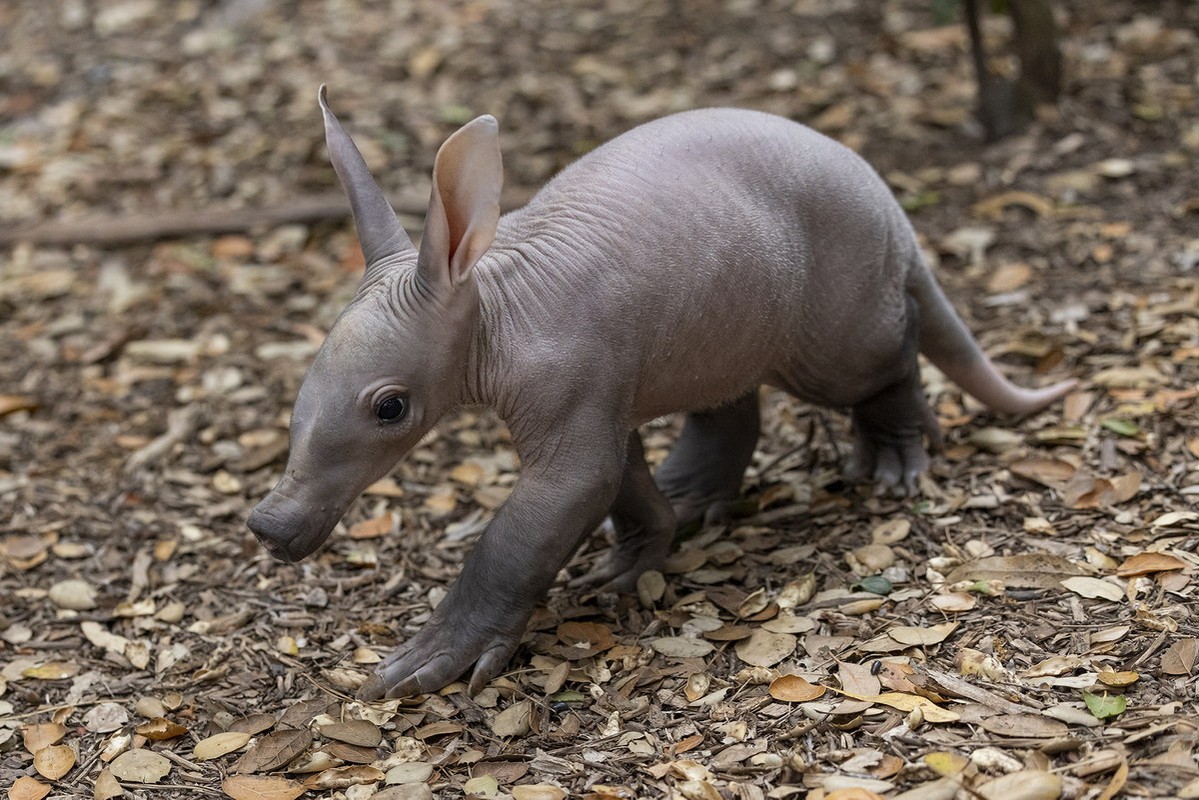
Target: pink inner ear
<point>467,175</point>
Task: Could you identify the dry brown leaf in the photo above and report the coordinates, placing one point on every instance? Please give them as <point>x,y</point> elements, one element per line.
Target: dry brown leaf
<point>891,532</point>
<point>1051,472</point>
<point>681,646</point>
<point>1094,588</point>
<point>993,207</point>
<point>37,736</point>
<point>261,787</point>
<point>273,751</point>
<point>513,720</point>
<point>106,786</point>
<point>858,678</point>
<point>794,689</point>
<point>1009,277</point>
<point>538,791</point>
<point>765,649</point>
<point>11,403</point>
<point>853,793</point>
<point>586,635</point>
<point>140,766</point>
<point>1087,491</point>
<point>160,729</point>
<point>344,777</point>
<point>54,761</point>
<point>954,602</point>
<point>1116,783</point>
<point>1023,785</point>
<point>27,788</point>
<point>1026,571</point>
<point>1180,657</point>
<point>1146,563</point>
<point>909,702</point>
<point>220,744</point>
<point>359,732</point>
<point>1024,725</point>
<point>1118,679</point>
<point>373,528</point>
<point>917,636</point>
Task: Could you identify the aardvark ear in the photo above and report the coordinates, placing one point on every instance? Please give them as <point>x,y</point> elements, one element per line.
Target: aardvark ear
<point>464,206</point>
<point>379,231</point>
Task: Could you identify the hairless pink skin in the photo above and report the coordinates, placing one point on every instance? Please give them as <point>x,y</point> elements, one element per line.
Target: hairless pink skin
<point>676,268</point>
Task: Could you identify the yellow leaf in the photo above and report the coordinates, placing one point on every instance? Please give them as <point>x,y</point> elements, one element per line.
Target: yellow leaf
<point>946,763</point>
<point>52,671</point>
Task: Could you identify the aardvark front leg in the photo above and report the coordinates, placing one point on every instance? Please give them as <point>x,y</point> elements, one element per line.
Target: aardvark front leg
<point>559,499</point>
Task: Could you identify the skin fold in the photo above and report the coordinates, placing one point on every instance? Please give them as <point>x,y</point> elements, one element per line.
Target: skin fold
<point>675,269</point>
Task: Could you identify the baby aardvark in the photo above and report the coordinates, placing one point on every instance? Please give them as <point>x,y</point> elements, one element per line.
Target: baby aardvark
<point>676,268</point>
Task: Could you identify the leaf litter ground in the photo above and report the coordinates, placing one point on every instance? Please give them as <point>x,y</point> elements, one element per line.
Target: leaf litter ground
<point>1026,628</point>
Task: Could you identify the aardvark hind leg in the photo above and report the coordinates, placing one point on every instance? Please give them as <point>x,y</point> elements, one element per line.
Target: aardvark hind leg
<point>889,431</point>
<point>703,473</point>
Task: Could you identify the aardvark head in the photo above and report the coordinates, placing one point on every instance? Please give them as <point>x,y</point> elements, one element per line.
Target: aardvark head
<point>396,359</point>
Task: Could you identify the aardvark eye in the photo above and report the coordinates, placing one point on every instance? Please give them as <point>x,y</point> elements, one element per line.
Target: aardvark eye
<point>391,409</point>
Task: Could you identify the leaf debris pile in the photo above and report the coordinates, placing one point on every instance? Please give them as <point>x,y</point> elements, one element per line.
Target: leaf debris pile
<point>1029,625</point>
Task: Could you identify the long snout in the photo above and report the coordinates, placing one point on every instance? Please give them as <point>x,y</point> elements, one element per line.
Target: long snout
<point>291,529</point>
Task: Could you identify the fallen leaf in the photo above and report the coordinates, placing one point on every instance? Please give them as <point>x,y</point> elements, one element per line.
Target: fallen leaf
<point>1026,571</point>
<point>1024,785</point>
<point>358,732</point>
<point>909,702</point>
<point>27,788</point>
<point>54,761</point>
<point>513,720</point>
<point>1103,706</point>
<point>52,671</point>
<point>794,689</point>
<point>140,766</point>
<point>106,786</point>
<point>220,744</point>
<point>261,787</point>
<point>373,528</point>
<point>344,777</point>
<point>74,595</point>
<point>682,646</point>
<point>10,404</point>
<point>37,736</point>
<point>1146,563</point>
<point>1024,725</point>
<point>160,728</point>
<point>911,635</point>
<point>1172,518</point>
<point>537,791</point>
<point>1051,472</point>
<point>954,602</point>
<point>1180,657</point>
<point>484,785</point>
<point>274,750</point>
<point>765,649</point>
<point>1094,588</point>
<point>1118,680</point>
<point>944,763</point>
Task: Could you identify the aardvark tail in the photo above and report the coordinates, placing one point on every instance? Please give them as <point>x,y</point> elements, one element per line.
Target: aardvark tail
<point>947,342</point>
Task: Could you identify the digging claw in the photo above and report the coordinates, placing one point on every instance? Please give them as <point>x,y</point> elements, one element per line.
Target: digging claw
<point>439,654</point>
